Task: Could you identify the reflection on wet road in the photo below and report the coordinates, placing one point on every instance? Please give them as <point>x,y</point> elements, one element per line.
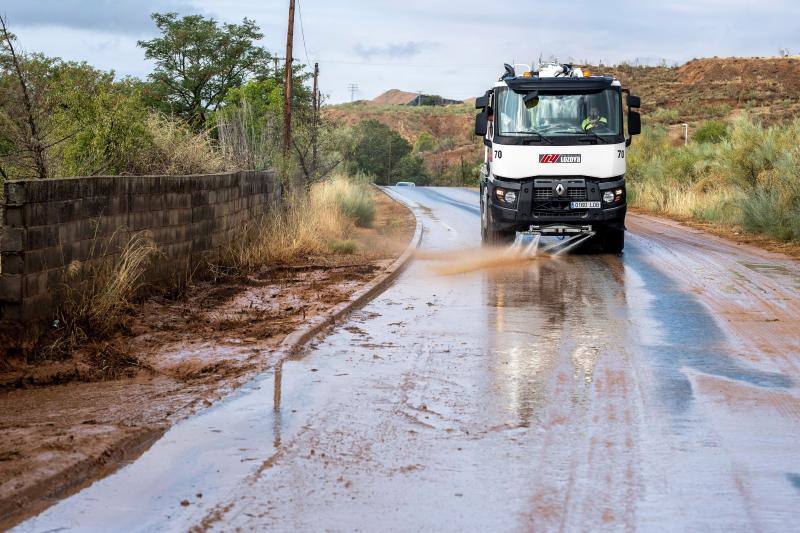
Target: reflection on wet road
<point>658,391</point>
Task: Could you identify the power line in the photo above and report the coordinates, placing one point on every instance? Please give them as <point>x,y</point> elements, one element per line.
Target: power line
<point>371,64</point>
<point>303,32</point>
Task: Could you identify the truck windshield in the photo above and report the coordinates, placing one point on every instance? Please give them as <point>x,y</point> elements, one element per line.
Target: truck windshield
<point>559,114</point>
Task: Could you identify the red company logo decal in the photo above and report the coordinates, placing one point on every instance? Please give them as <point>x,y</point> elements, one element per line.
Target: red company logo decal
<point>559,158</point>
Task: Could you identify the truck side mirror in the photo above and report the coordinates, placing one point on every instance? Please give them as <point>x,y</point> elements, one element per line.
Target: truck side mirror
<point>482,102</point>
<point>482,124</point>
<point>634,101</point>
<point>634,123</point>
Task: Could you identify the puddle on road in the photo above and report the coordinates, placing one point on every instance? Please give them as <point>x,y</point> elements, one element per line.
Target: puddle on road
<point>794,479</point>
<point>684,335</point>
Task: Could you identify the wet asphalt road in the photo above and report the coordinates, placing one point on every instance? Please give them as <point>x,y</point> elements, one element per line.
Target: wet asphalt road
<point>655,391</point>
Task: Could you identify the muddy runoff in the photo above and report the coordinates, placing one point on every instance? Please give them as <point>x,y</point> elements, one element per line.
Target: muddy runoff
<point>62,427</point>
<point>654,390</point>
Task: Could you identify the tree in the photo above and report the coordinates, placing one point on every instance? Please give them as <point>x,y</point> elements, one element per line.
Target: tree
<point>248,126</point>
<point>425,143</point>
<point>198,61</point>
<point>412,168</point>
<point>66,118</point>
<point>105,122</point>
<point>21,108</point>
<point>378,150</point>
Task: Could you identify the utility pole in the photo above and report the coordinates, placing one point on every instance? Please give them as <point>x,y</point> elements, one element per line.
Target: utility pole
<point>316,87</point>
<point>353,88</point>
<point>287,88</point>
<point>315,126</point>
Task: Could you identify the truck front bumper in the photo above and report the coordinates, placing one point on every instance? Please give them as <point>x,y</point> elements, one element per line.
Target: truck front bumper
<point>532,207</point>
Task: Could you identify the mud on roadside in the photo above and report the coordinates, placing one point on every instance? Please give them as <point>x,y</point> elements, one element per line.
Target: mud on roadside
<point>67,423</point>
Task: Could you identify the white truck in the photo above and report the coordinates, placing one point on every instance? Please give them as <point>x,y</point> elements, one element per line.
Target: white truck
<point>555,158</point>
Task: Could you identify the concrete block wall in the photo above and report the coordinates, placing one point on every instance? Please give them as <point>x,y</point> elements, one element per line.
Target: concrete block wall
<point>49,224</point>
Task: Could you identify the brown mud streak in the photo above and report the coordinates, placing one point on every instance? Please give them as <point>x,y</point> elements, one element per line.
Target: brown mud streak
<point>38,497</point>
<point>190,392</point>
<point>293,344</point>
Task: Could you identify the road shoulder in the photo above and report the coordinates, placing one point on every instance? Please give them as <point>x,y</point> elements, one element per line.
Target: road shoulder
<point>63,429</point>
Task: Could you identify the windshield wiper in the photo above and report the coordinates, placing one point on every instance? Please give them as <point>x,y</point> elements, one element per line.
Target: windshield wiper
<point>539,136</point>
<point>596,136</point>
<point>587,132</point>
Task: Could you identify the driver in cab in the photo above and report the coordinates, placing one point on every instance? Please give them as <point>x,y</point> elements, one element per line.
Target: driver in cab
<point>593,119</point>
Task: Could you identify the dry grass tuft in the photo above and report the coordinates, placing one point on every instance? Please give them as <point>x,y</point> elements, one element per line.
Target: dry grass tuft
<point>177,150</point>
<point>310,225</point>
<point>97,297</point>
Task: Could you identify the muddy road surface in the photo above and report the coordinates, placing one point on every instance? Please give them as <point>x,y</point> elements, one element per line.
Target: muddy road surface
<point>654,391</point>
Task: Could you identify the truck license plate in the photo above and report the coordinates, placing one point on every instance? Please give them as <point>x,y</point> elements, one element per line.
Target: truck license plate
<point>584,205</point>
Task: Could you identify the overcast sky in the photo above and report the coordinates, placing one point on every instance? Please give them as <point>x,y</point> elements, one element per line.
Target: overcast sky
<point>453,48</point>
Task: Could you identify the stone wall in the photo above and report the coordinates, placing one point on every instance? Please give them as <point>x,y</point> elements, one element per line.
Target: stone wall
<point>52,225</point>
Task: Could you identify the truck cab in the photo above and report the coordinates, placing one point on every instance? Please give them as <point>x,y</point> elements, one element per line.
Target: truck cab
<point>555,157</point>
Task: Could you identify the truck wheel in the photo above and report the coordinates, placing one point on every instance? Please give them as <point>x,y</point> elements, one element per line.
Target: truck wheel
<point>489,235</point>
<point>612,240</point>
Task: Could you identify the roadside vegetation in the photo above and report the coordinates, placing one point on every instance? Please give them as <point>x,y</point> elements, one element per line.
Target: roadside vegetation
<point>313,224</point>
<point>213,103</point>
<point>385,156</point>
<point>740,174</point>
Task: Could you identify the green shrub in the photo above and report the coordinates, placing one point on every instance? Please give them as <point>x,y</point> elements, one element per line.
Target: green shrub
<point>768,211</point>
<point>712,131</point>
<point>749,151</point>
<point>425,143</point>
<point>344,247</point>
<point>412,168</point>
<point>353,199</point>
<point>378,150</point>
<point>664,115</point>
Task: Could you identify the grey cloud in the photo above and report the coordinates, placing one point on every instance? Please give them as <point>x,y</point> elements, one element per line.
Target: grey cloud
<point>394,50</point>
<point>120,16</point>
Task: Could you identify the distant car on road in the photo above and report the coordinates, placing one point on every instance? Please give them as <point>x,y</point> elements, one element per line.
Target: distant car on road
<point>405,184</point>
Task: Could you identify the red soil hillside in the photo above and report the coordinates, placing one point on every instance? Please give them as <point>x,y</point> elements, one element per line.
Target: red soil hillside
<point>716,88</point>
<point>785,72</point>
<point>395,97</point>
<point>454,123</point>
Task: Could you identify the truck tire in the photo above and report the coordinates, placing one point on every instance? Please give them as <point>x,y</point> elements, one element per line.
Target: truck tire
<point>612,240</point>
<point>489,235</point>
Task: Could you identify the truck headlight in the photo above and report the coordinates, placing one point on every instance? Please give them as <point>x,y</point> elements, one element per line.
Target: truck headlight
<point>608,197</point>
<point>505,196</point>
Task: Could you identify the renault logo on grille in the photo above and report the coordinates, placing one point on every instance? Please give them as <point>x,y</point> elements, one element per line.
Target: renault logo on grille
<point>559,189</point>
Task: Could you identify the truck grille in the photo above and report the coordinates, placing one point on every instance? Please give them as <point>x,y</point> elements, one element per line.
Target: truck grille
<point>575,194</point>
<point>574,213</point>
<point>547,204</point>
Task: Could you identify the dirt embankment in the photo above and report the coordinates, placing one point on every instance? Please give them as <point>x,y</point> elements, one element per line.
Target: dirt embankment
<point>61,428</point>
<point>395,97</point>
<point>769,88</point>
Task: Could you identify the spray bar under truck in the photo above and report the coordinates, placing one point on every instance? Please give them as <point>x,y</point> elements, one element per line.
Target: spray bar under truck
<point>555,155</point>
